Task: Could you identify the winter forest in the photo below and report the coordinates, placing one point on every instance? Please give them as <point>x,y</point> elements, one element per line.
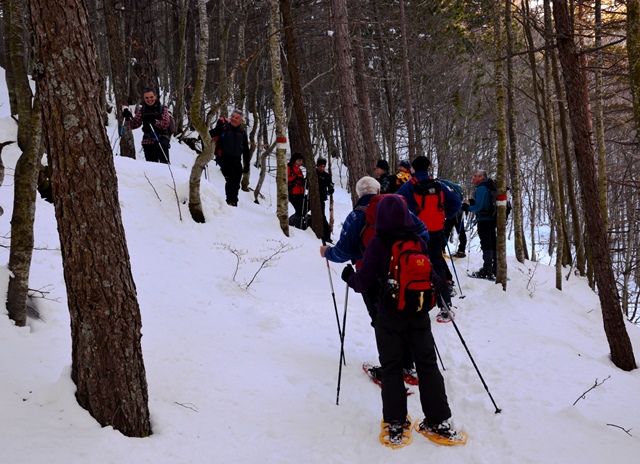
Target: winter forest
<point>544,95</point>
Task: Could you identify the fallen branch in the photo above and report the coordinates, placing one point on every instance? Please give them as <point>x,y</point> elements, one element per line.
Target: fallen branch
<point>154,189</point>
<point>596,384</point>
<point>187,406</point>
<point>622,428</point>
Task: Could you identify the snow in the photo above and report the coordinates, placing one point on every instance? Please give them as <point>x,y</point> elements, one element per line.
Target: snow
<point>247,375</point>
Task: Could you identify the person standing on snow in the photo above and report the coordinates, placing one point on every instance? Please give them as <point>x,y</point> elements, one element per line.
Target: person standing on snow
<point>232,148</point>
<point>154,119</point>
<point>325,186</point>
<point>296,184</point>
<point>483,209</point>
<point>394,223</point>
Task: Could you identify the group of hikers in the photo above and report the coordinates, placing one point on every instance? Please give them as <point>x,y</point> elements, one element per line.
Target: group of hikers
<point>423,211</point>
<point>386,235</point>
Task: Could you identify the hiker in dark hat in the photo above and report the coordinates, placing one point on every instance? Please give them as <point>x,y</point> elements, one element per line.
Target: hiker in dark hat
<point>403,175</point>
<point>296,183</point>
<point>384,178</point>
<point>325,186</point>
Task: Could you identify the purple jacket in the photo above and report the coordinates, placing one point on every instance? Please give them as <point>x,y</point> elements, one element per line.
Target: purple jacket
<point>393,223</point>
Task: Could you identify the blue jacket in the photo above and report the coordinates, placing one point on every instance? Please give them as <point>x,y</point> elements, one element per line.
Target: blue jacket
<point>452,203</point>
<point>349,246</point>
<point>483,201</point>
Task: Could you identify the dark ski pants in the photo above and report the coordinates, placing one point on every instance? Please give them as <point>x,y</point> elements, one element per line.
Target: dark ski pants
<point>487,235</point>
<point>232,171</point>
<point>297,201</point>
<point>439,265</point>
<point>390,332</point>
<point>458,224</point>
<point>154,153</point>
<point>370,298</point>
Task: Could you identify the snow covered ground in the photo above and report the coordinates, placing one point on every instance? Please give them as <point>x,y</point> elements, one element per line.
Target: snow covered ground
<point>248,375</point>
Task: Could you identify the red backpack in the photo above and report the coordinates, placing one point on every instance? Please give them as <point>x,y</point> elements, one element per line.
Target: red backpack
<point>409,289</point>
<point>369,229</point>
<point>430,203</point>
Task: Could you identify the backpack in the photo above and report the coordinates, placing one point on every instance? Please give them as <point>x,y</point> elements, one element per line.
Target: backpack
<point>453,186</point>
<point>408,288</point>
<point>369,229</point>
<point>430,203</point>
<point>491,211</point>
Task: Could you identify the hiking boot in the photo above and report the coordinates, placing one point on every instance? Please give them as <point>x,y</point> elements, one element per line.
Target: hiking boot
<point>395,432</point>
<point>483,274</point>
<point>445,315</point>
<point>442,429</point>
<point>460,254</point>
<point>232,203</point>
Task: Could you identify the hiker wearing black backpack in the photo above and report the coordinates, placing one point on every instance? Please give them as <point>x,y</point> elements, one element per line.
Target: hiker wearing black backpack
<point>402,314</point>
<point>325,186</point>
<point>433,202</point>
<point>232,151</point>
<point>351,247</point>
<point>386,181</point>
<point>155,120</point>
<point>484,208</point>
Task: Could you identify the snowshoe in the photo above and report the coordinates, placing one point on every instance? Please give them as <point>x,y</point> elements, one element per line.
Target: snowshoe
<point>445,316</point>
<point>397,434</point>
<point>441,434</point>
<point>410,376</point>
<point>375,375</point>
<point>482,274</point>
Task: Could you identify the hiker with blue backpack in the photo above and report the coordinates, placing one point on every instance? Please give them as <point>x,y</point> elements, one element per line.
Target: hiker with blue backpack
<point>484,208</point>
<point>155,121</point>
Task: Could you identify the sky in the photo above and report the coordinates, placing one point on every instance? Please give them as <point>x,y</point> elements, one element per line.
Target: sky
<point>241,346</point>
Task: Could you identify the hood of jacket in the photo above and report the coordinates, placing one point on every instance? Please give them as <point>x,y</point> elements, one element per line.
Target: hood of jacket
<point>393,218</point>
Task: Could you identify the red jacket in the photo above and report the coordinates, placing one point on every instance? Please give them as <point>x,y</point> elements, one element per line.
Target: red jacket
<point>295,180</point>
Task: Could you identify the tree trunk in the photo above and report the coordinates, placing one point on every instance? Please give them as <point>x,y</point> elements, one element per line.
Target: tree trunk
<point>119,73</point>
<point>181,72</point>
<point>195,202</point>
<point>282,210</point>
<point>368,132</point>
<point>407,84</point>
<point>633,52</point>
<point>354,157</point>
<point>301,116</point>
<point>578,104</point>
<point>106,359</point>
<point>501,130</point>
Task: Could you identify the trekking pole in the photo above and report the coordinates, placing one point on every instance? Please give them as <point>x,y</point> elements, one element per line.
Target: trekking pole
<point>454,270</point>
<point>344,327</point>
<point>335,305</point>
<point>455,326</point>
<point>304,201</point>
<point>438,353</point>
<point>469,239</point>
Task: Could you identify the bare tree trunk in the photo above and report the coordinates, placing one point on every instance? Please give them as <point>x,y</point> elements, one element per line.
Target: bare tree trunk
<point>354,157</point>
<point>181,75</point>
<point>107,365</point>
<point>119,73</point>
<point>301,116</point>
<point>514,157</point>
<point>200,124</point>
<point>578,103</point>
<point>368,132</point>
<point>282,210</point>
<point>407,84</point>
<point>633,52</point>
<point>501,130</point>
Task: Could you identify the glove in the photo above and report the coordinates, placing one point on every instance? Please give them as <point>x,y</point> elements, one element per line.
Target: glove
<point>347,272</point>
<point>149,118</point>
<point>472,201</point>
<point>246,169</point>
<point>465,207</point>
<point>126,114</point>
<point>330,190</point>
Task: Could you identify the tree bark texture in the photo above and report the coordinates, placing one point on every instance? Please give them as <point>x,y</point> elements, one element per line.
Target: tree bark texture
<point>107,365</point>
<point>578,103</point>
<point>633,52</point>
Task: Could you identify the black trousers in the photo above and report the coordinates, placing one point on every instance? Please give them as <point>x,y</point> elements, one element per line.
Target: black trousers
<point>232,171</point>
<point>456,223</point>
<point>390,333</point>
<point>155,153</point>
<point>487,235</point>
<point>439,265</point>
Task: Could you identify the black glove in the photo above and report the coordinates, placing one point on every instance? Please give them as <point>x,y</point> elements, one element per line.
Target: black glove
<point>472,201</point>
<point>246,169</point>
<point>330,190</point>
<point>149,118</point>
<point>347,272</point>
<point>465,207</point>
<point>126,114</point>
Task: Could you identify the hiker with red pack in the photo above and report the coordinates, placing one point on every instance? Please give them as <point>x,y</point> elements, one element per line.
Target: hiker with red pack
<point>433,202</point>
<point>402,314</point>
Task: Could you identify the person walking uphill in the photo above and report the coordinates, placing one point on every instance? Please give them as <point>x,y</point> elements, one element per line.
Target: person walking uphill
<point>484,210</point>
<point>433,202</point>
<point>326,188</point>
<point>232,147</point>
<point>154,119</point>
<point>393,325</point>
